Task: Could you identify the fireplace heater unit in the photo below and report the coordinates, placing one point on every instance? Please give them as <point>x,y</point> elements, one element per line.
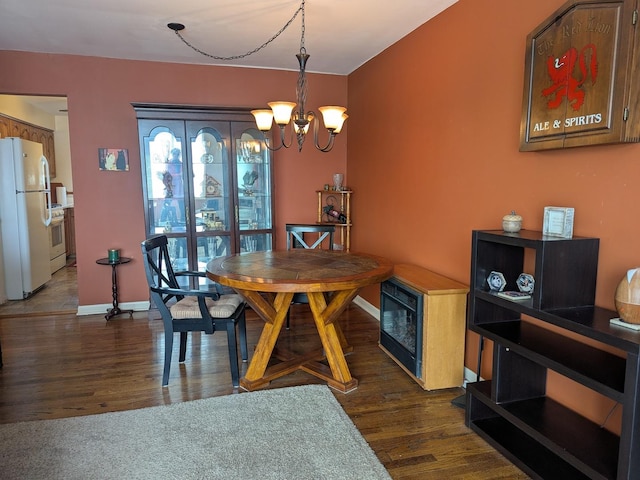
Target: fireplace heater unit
<point>401,311</point>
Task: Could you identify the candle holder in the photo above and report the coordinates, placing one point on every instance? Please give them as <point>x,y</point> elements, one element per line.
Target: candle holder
<point>114,255</point>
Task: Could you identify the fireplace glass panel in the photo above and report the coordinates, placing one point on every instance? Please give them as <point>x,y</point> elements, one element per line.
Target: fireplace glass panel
<point>401,310</point>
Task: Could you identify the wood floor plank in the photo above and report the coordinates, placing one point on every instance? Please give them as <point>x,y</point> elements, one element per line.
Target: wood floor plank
<point>63,365</point>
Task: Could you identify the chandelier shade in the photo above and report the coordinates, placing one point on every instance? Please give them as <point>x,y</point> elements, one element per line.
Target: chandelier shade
<point>333,117</point>
<point>264,118</point>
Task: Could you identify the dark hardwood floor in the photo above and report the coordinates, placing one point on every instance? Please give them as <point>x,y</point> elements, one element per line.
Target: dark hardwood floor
<point>59,295</point>
<point>62,365</point>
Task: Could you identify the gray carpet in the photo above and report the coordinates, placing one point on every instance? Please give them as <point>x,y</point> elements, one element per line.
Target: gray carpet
<point>289,433</point>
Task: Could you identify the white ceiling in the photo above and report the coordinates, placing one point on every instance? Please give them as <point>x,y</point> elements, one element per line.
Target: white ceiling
<point>340,35</point>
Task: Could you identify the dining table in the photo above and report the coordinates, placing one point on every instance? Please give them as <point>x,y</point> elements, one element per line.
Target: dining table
<point>268,280</point>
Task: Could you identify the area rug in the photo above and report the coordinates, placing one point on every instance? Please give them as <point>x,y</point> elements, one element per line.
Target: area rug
<point>289,433</point>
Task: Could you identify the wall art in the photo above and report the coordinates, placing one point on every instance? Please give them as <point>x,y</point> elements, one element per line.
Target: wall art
<point>114,159</point>
<point>579,87</point>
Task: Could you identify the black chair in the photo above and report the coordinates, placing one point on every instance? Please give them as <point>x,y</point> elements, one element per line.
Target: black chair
<point>185,308</point>
<point>296,235</point>
<point>315,238</point>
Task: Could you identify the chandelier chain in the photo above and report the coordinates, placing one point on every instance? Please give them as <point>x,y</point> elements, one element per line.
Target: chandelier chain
<point>257,49</point>
<point>302,49</point>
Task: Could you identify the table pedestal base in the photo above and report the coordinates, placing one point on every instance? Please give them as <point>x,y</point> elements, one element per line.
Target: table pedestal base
<point>116,311</point>
<point>273,310</point>
<point>309,362</point>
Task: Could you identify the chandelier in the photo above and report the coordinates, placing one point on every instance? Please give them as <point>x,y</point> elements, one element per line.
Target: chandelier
<point>282,112</point>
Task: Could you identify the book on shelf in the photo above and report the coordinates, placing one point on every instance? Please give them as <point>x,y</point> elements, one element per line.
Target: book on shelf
<point>511,295</point>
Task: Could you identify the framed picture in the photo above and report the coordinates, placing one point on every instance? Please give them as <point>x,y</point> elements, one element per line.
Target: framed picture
<point>114,159</point>
<point>579,66</point>
<point>558,222</point>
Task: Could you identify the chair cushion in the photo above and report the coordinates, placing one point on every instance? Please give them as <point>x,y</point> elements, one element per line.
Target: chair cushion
<point>222,308</point>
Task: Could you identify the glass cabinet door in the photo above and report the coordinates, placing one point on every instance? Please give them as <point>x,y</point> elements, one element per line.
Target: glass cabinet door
<point>211,190</point>
<point>163,187</point>
<point>254,187</point>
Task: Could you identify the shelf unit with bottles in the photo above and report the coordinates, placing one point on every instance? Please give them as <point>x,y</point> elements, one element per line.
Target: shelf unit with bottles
<point>207,182</point>
<point>512,410</point>
<point>338,201</point>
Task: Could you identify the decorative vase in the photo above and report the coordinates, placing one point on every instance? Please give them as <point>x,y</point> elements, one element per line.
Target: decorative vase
<point>337,181</point>
<point>512,223</point>
<point>627,297</point>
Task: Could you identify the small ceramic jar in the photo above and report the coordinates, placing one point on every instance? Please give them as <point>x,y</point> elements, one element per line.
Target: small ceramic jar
<point>512,223</point>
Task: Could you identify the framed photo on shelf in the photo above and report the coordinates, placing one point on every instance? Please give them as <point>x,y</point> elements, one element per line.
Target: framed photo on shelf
<point>558,222</point>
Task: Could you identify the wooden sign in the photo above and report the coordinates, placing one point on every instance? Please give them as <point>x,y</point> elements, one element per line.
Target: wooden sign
<point>579,88</point>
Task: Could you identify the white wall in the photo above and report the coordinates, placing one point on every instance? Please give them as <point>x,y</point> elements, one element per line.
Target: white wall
<point>63,152</point>
<point>3,290</point>
<point>16,106</point>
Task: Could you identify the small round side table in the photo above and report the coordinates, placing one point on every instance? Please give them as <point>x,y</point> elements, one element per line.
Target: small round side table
<point>114,285</point>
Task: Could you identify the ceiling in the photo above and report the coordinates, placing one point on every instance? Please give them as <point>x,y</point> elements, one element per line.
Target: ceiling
<point>340,35</point>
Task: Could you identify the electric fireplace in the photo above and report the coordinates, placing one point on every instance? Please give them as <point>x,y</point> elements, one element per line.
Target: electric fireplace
<point>423,325</point>
<point>401,311</point>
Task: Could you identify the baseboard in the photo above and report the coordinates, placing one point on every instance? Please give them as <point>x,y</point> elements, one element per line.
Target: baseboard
<point>367,307</point>
<point>469,376</point>
<point>141,306</point>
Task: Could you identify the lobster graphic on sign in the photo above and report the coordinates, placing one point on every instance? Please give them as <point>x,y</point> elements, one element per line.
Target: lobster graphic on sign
<point>561,71</point>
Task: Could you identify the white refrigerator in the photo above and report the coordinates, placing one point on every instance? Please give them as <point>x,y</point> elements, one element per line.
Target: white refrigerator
<point>25,215</point>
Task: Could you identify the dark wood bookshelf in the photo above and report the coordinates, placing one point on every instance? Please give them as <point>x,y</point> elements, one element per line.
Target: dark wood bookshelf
<point>512,411</point>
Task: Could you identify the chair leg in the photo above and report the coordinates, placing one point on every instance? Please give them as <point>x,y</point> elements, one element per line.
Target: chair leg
<point>242,327</point>
<point>233,353</point>
<point>288,322</point>
<point>168,347</point>
<point>183,347</point>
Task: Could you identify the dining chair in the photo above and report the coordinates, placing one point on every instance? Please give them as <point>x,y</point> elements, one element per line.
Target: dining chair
<point>296,235</point>
<point>189,302</point>
<point>317,236</point>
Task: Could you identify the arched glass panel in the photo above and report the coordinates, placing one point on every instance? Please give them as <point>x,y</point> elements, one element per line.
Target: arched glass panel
<point>253,166</point>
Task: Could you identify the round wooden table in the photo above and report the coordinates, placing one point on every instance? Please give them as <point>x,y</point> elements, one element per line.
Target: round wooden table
<point>268,280</point>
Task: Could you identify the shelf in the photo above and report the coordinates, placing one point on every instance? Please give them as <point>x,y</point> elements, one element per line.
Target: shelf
<point>591,322</point>
<point>597,369</point>
<point>541,432</point>
<point>523,451</point>
<point>565,269</point>
<point>337,224</point>
<point>344,207</point>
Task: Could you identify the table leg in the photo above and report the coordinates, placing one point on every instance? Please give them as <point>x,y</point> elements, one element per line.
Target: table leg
<point>326,319</point>
<point>274,314</point>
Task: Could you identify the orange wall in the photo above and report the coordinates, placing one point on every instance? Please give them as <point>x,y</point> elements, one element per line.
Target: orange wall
<point>433,151</point>
<point>108,205</point>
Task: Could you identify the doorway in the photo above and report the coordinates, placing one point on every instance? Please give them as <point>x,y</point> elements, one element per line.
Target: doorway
<point>51,113</point>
